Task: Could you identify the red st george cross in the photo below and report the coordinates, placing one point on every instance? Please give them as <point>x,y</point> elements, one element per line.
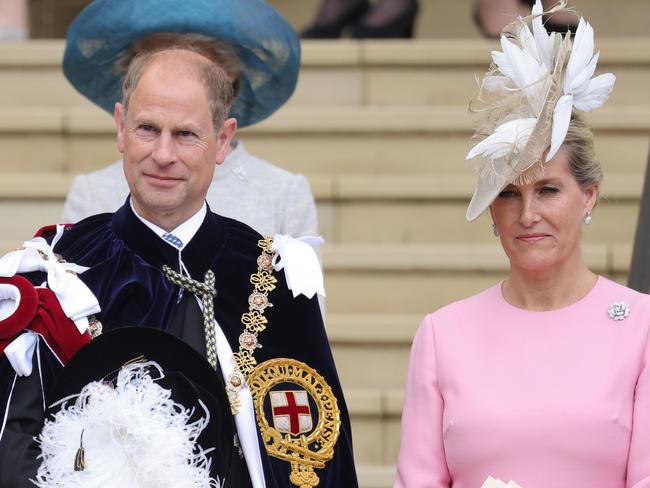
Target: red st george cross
<point>294,407</point>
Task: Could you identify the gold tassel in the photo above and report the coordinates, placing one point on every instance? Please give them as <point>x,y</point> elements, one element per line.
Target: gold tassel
<point>80,458</point>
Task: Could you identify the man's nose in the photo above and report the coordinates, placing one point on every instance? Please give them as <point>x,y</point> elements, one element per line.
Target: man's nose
<point>163,151</point>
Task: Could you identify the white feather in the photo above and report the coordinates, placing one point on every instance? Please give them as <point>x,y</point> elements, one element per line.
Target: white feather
<point>543,40</point>
<point>561,119</point>
<point>497,83</point>
<point>528,43</point>
<point>596,93</point>
<point>518,65</point>
<point>134,436</point>
<point>508,137</point>
<point>582,53</point>
<point>581,79</point>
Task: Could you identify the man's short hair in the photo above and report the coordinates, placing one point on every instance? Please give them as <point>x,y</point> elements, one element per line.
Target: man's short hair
<point>219,52</point>
<point>215,79</point>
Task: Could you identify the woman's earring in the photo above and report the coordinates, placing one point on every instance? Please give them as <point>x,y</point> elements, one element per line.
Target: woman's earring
<point>495,231</point>
<point>588,218</point>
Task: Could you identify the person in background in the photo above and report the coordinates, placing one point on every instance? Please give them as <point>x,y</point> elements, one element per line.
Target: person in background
<point>363,20</point>
<point>14,23</point>
<point>491,16</point>
<point>268,198</point>
<point>544,378</point>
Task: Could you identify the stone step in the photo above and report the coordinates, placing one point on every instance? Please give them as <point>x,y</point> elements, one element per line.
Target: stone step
<point>440,72</point>
<point>379,342</point>
<point>429,72</point>
<point>415,279</point>
<point>376,476</point>
<point>375,415</point>
<point>383,209</point>
<point>442,19</point>
<point>355,209</point>
<point>331,140</point>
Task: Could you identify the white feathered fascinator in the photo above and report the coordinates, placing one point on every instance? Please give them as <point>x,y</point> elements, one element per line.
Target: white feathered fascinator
<point>527,98</point>
<point>130,434</point>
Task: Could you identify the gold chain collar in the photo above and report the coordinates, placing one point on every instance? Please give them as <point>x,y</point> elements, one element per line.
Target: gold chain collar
<point>254,322</point>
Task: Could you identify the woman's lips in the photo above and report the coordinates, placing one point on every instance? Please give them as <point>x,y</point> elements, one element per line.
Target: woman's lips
<point>532,237</point>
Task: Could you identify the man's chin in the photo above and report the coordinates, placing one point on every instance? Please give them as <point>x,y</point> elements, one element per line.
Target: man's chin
<point>162,204</point>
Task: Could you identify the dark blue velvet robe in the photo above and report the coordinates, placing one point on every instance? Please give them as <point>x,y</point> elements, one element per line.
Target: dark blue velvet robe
<point>125,259</point>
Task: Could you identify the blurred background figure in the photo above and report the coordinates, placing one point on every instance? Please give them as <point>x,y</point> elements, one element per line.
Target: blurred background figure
<point>382,19</point>
<point>13,20</point>
<point>361,19</point>
<point>491,16</point>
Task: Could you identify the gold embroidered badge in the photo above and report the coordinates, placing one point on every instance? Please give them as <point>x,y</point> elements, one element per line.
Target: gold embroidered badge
<point>291,435</point>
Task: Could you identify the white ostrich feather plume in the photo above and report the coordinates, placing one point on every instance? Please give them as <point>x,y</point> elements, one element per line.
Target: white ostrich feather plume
<point>134,435</point>
<point>528,96</point>
<point>509,137</point>
<point>581,91</point>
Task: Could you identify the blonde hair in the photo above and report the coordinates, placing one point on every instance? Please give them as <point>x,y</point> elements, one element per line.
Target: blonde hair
<point>579,144</point>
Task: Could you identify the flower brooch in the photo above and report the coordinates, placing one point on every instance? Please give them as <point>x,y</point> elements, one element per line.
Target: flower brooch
<point>618,311</point>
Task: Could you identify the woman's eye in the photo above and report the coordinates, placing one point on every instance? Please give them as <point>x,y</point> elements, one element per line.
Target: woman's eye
<point>507,194</point>
<point>548,190</point>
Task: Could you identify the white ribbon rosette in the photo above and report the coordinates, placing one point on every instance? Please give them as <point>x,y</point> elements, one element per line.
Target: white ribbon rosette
<point>298,258</point>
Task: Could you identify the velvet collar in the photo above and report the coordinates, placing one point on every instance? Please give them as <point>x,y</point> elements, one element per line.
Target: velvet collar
<point>198,255</point>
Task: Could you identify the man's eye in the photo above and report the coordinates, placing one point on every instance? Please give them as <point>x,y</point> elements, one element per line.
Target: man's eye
<point>186,133</point>
<point>145,128</point>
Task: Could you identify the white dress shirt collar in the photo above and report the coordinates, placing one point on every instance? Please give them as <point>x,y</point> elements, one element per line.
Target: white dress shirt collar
<point>185,232</point>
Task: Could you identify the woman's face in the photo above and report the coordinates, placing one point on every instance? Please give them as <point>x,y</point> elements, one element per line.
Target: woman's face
<point>539,223</point>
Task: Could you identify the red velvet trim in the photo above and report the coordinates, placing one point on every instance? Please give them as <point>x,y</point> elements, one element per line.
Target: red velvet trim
<point>39,310</point>
<point>24,314</point>
<point>45,232</point>
<point>59,331</point>
<point>49,231</point>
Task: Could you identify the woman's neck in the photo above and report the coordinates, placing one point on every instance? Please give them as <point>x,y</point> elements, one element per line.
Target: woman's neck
<point>548,289</point>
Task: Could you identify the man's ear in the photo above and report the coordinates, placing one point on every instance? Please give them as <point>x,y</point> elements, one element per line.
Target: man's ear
<point>224,137</point>
<point>119,124</point>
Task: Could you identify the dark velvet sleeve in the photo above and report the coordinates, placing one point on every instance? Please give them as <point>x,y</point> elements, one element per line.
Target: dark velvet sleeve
<point>295,330</point>
<point>18,449</point>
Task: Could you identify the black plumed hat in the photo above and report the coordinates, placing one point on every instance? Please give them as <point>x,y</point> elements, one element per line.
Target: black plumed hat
<point>136,397</point>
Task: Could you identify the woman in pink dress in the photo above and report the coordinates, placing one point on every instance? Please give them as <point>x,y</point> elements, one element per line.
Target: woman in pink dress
<point>543,379</point>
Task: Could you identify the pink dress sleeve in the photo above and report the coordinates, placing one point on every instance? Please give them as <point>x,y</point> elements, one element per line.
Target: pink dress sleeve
<point>638,466</point>
<point>422,462</point>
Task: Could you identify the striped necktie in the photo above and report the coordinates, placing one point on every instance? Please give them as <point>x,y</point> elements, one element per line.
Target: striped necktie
<point>173,240</point>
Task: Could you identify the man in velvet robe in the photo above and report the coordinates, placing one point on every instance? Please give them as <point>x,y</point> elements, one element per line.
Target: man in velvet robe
<point>172,130</point>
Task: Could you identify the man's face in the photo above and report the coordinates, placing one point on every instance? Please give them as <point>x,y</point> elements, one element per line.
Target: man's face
<point>168,141</point>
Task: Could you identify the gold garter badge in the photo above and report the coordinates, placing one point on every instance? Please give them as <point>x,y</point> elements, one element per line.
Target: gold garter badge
<point>293,395</point>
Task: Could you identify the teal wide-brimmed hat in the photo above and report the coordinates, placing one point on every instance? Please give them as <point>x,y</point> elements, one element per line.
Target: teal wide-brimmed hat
<point>267,45</point>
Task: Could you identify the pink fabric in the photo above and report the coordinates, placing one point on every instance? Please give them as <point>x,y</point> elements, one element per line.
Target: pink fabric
<point>557,399</point>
